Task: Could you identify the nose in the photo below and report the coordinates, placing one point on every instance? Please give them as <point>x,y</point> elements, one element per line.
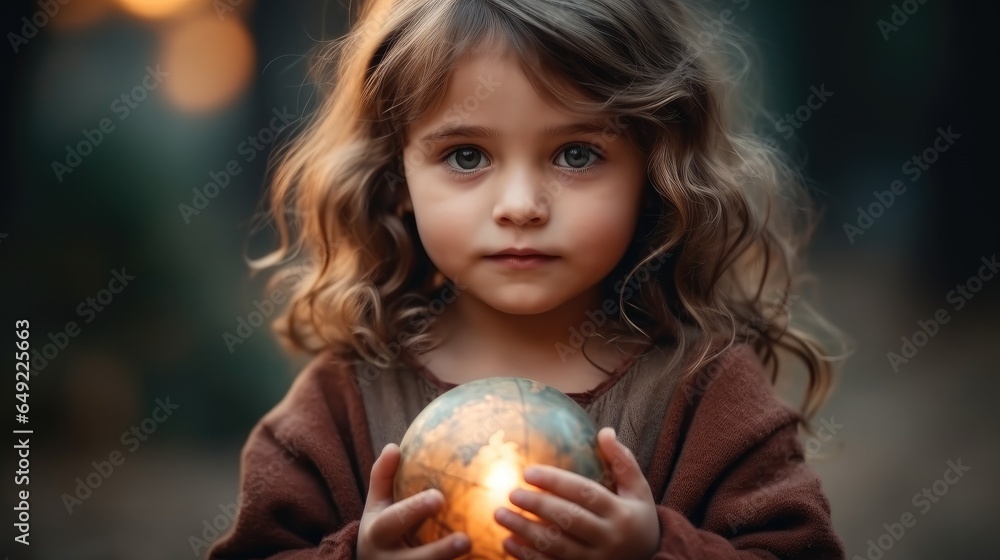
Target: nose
<point>521,200</point>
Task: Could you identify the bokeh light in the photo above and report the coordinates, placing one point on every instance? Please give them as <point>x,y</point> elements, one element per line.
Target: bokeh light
<point>156,9</point>
<point>210,62</point>
<point>75,15</point>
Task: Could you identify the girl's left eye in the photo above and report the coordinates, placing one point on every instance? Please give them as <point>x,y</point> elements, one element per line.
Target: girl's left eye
<point>580,154</point>
<point>579,158</point>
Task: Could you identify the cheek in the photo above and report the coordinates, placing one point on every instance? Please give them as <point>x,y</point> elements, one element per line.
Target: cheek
<point>605,226</point>
<point>438,230</point>
<point>445,230</point>
<point>427,207</point>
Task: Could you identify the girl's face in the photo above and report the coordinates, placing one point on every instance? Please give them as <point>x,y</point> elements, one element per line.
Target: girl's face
<point>485,173</point>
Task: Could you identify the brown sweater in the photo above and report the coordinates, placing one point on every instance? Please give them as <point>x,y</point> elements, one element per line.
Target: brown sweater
<point>721,454</point>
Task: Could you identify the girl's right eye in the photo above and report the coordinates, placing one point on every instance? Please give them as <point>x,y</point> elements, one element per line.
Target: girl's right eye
<point>465,158</point>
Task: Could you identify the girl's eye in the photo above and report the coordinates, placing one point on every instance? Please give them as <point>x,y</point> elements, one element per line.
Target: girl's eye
<point>466,159</point>
<point>579,158</point>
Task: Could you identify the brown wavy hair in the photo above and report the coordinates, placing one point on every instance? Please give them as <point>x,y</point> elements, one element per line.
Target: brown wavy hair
<point>725,210</point>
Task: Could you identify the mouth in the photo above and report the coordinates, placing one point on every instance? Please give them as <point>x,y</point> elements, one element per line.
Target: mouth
<point>522,262</point>
<point>527,252</point>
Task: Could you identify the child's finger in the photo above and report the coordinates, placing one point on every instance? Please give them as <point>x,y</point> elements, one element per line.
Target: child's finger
<point>628,474</point>
<point>383,473</point>
<point>571,487</point>
<point>452,546</point>
<point>570,518</point>
<point>393,523</point>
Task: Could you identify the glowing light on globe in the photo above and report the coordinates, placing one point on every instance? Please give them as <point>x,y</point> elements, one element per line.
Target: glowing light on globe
<point>473,442</point>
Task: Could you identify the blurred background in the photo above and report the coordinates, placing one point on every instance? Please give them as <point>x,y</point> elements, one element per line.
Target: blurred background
<point>118,113</point>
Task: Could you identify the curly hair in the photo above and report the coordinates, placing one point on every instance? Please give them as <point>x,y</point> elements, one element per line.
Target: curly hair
<point>726,212</point>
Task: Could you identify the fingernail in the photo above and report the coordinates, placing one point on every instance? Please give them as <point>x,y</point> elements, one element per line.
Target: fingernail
<point>433,498</point>
<point>532,474</point>
<point>461,542</point>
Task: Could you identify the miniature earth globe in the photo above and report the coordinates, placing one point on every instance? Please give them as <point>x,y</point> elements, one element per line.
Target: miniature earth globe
<point>473,442</point>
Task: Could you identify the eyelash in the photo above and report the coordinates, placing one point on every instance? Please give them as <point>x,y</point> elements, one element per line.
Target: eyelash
<point>465,174</point>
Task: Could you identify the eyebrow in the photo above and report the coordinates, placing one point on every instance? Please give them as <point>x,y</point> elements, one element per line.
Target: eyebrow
<point>467,131</point>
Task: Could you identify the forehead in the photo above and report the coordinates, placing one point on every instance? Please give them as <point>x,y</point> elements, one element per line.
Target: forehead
<point>499,88</point>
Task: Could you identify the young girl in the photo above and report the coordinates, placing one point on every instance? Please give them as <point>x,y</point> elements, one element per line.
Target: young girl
<point>565,191</point>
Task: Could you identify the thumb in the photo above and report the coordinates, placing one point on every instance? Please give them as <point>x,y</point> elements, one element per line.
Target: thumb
<point>628,475</point>
<point>382,477</point>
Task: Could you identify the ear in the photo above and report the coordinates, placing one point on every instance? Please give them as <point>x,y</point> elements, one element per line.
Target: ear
<point>406,206</point>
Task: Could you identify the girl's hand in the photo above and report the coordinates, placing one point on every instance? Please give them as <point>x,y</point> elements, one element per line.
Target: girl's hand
<point>580,518</point>
<point>384,523</point>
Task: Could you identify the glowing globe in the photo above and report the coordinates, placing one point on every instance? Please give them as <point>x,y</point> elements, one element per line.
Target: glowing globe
<point>473,442</point>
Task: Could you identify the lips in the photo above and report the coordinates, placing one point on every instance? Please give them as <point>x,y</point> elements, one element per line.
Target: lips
<point>526,252</point>
<point>526,261</point>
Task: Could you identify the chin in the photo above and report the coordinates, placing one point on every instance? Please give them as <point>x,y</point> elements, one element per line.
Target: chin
<point>519,304</point>
<point>522,310</point>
